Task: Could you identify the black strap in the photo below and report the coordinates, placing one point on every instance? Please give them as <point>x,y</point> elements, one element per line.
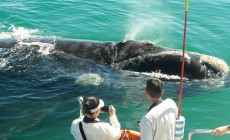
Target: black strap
<point>155,104</point>
<point>82,131</point>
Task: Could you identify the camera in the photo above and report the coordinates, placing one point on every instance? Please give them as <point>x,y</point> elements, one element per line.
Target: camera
<point>105,108</point>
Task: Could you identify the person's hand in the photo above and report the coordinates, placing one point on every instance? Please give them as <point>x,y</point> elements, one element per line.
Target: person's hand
<point>220,130</point>
<point>112,110</point>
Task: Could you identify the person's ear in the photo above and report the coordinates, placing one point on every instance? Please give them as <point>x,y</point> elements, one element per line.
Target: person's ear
<point>146,93</point>
<point>162,91</point>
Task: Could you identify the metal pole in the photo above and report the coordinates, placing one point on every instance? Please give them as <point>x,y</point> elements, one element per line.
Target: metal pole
<point>182,61</point>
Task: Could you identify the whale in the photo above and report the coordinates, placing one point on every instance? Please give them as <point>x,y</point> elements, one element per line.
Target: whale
<point>133,55</point>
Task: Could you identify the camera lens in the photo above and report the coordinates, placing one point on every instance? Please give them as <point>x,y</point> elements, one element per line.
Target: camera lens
<point>105,108</point>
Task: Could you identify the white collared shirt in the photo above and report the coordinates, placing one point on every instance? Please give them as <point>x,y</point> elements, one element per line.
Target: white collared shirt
<point>97,131</point>
<point>159,122</point>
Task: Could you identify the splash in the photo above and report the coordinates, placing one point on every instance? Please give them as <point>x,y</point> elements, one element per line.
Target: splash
<point>42,48</point>
<point>89,79</point>
<point>22,34</point>
<point>146,21</point>
<point>2,26</point>
<point>3,63</point>
<point>18,32</point>
<point>213,83</point>
<point>162,76</point>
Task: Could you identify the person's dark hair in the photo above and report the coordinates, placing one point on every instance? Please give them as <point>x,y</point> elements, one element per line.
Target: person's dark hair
<point>90,103</point>
<point>154,87</point>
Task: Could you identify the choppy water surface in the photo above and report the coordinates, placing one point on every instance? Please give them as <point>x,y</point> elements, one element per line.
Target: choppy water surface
<point>39,88</point>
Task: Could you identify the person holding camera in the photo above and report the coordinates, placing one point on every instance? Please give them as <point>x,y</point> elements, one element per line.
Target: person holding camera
<point>90,127</point>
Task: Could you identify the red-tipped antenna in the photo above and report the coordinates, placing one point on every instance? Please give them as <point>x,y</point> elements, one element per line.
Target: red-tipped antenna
<point>182,62</point>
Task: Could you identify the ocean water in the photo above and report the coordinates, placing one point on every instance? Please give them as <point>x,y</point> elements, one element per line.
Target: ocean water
<point>39,89</point>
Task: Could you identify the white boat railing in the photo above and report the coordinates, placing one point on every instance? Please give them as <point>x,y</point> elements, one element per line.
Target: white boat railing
<point>200,131</point>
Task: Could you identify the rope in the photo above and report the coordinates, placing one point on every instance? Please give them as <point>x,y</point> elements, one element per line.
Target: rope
<point>182,62</point>
<point>125,135</point>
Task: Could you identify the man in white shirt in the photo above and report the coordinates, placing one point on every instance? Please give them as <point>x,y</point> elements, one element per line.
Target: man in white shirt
<point>92,127</point>
<point>159,122</point>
